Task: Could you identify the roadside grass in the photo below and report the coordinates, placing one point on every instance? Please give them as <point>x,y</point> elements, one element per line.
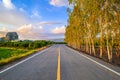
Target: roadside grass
<point>10,54</point>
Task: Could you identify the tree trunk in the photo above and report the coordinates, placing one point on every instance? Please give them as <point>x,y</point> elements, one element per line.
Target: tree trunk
<point>108,48</point>
<point>101,38</point>
<point>90,51</point>
<point>101,44</point>
<point>93,47</point>
<point>87,50</point>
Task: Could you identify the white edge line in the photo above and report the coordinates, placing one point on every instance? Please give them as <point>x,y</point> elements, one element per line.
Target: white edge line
<point>22,61</point>
<point>117,73</point>
<point>101,65</point>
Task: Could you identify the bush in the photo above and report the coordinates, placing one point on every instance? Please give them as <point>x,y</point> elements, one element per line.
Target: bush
<point>26,44</point>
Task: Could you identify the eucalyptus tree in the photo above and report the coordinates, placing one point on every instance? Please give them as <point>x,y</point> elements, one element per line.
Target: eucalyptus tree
<point>91,18</point>
<point>110,11</point>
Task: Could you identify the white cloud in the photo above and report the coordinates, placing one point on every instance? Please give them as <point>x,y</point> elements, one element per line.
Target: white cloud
<point>22,10</point>
<point>35,14</point>
<point>8,4</point>
<point>4,29</point>
<point>59,3</point>
<point>38,32</point>
<point>48,23</point>
<point>11,16</point>
<point>2,33</point>
<point>59,30</point>
<point>30,32</point>
<point>35,32</point>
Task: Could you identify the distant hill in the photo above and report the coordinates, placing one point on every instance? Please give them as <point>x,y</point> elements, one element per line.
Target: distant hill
<point>8,36</point>
<point>11,36</point>
<point>57,40</point>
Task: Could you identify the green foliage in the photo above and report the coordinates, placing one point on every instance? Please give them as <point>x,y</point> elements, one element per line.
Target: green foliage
<point>26,44</point>
<point>91,18</point>
<point>9,52</point>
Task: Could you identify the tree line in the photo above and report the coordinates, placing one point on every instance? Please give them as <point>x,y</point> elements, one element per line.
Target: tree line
<point>26,44</point>
<point>94,27</point>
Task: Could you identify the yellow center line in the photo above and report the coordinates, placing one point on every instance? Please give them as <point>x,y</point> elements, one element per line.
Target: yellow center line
<point>58,68</point>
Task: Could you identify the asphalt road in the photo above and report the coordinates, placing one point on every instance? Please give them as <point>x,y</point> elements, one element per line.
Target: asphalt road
<point>73,66</point>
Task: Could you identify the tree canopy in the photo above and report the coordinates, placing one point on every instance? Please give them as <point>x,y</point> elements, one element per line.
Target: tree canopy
<point>94,23</point>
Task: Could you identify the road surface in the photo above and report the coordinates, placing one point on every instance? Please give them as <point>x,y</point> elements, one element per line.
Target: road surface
<point>60,62</point>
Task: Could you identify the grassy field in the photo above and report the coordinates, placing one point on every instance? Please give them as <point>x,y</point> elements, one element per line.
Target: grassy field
<point>10,51</point>
<point>10,54</point>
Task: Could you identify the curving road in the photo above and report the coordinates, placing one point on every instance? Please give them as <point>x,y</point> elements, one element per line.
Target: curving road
<point>60,62</point>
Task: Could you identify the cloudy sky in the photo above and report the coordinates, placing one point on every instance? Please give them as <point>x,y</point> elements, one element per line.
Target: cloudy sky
<point>33,19</point>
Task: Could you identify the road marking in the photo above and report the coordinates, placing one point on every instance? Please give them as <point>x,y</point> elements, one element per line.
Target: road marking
<point>117,73</point>
<point>22,61</point>
<point>58,68</point>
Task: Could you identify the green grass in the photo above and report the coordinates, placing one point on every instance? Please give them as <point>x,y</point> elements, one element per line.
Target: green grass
<point>10,54</point>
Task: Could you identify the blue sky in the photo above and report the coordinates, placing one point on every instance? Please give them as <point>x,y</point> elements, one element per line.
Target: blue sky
<point>33,19</point>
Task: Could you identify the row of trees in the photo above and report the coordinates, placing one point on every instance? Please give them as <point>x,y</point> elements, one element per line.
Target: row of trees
<point>94,23</point>
<point>26,44</point>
